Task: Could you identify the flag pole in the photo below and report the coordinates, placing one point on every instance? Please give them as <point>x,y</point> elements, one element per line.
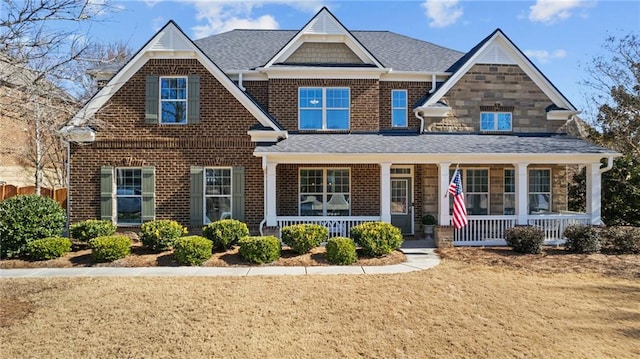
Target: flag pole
<point>446,193</point>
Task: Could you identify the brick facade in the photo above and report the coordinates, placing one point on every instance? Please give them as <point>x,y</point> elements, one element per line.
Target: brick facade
<point>415,91</point>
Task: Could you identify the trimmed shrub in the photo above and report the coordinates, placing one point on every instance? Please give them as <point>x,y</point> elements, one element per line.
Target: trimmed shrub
<point>582,239</point>
<point>225,233</point>
<point>161,235</point>
<point>27,218</point>
<point>525,239</point>
<point>341,250</point>
<point>109,248</point>
<point>193,250</point>
<point>303,237</point>
<point>377,238</point>
<point>90,229</point>
<point>48,248</point>
<point>260,250</point>
<point>623,239</point>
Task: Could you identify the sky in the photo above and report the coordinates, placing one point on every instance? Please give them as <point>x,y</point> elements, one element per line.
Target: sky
<point>559,36</point>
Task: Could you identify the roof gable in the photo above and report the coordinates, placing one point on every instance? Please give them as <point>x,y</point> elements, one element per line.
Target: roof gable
<point>324,28</point>
<point>497,48</point>
<point>170,42</point>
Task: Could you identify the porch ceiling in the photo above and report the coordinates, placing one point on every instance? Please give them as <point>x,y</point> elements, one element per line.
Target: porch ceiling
<point>434,144</point>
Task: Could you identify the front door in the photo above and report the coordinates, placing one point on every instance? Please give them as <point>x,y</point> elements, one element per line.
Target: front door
<point>401,204</point>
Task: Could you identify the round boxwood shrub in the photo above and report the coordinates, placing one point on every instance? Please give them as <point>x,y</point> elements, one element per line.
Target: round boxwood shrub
<point>623,239</point>
<point>377,238</point>
<point>27,218</point>
<point>193,250</point>
<point>525,239</point>
<point>582,239</point>
<point>161,235</point>
<point>109,248</point>
<point>341,250</point>
<point>260,250</point>
<point>303,237</point>
<point>91,228</point>
<point>225,233</point>
<point>48,248</point>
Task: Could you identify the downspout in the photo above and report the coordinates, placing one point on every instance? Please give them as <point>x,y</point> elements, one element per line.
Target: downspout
<point>240,81</point>
<point>417,113</point>
<point>68,183</point>
<point>264,194</point>
<point>608,166</point>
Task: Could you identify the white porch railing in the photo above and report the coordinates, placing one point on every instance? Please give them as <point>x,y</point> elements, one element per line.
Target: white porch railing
<point>489,230</point>
<point>338,226</point>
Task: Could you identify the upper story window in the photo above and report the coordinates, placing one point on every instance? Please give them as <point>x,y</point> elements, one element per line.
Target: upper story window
<point>324,108</point>
<point>173,100</point>
<point>398,108</point>
<point>495,121</point>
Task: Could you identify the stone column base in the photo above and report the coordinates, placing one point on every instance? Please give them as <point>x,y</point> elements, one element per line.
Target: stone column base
<point>444,236</point>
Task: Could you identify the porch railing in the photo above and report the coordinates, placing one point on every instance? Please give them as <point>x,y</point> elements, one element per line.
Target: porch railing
<point>338,226</point>
<point>554,225</point>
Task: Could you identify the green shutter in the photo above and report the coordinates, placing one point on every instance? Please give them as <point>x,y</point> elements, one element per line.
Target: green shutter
<point>151,101</point>
<point>148,194</point>
<point>193,102</point>
<point>237,199</point>
<point>196,189</point>
<point>106,193</point>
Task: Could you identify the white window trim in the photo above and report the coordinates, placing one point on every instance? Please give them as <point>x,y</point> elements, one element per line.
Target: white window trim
<point>325,193</point>
<point>406,104</point>
<point>409,167</point>
<point>115,197</point>
<point>186,100</point>
<point>324,108</point>
<point>205,195</point>
<point>550,186</point>
<point>463,178</point>
<point>495,121</point>
<point>504,191</point>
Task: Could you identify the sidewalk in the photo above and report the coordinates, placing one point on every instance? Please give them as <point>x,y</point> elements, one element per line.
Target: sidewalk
<point>419,257</point>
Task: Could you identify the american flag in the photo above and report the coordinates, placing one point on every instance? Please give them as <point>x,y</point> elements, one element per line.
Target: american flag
<point>459,208</point>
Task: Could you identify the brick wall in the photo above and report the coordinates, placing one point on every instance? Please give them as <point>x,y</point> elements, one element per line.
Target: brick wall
<point>283,101</point>
<point>415,90</point>
<point>365,188</point>
<point>486,85</point>
<point>259,90</point>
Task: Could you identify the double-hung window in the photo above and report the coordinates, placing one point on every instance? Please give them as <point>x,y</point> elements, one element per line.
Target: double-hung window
<point>217,194</point>
<point>128,195</point>
<point>509,199</point>
<point>325,192</point>
<point>495,121</point>
<point>324,108</point>
<point>173,100</point>
<point>539,190</point>
<point>398,108</point>
<point>475,185</point>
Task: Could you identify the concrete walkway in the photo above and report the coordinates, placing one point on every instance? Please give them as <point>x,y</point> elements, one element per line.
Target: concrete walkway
<point>418,252</point>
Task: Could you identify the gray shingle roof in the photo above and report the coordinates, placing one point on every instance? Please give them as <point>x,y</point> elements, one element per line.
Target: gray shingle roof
<point>248,49</point>
<point>432,143</point>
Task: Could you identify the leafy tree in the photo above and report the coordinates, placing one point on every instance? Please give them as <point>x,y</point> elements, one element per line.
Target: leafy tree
<point>615,81</point>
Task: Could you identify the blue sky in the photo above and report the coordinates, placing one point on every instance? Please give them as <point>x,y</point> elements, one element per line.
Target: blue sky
<point>559,36</point>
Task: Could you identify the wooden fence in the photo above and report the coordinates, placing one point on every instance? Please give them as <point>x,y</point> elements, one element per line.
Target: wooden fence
<point>59,194</point>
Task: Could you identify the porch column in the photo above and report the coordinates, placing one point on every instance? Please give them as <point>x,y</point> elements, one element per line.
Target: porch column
<point>385,192</point>
<point>522,190</point>
<point>593,194</point>
<point>443,189</point>
<point>270,195</point>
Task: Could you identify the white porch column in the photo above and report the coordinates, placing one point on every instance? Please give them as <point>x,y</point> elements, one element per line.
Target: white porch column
<point>593,194</point>
<point>443,189</point>
<point>385,192</point>
<point>270,195</point>
<point>522,190</point>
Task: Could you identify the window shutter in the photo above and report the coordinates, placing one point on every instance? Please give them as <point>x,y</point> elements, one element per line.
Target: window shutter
<point>148,194</point>
<point>152,106</point>
<point>197,200</point>
<point>193,102</point>
<point>106,193</point>
<point>237,198</point>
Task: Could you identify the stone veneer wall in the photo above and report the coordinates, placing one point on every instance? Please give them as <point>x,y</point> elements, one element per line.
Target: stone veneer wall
<point>323,53</point>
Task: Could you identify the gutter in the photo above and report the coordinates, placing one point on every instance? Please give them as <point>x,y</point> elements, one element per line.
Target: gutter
<point>417,113</point>
<point>608,166</point>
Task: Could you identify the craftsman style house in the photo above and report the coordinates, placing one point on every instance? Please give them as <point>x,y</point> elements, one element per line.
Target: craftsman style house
<point>331,126</point>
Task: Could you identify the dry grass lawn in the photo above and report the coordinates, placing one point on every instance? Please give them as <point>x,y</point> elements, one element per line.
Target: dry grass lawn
<point>464,308</point>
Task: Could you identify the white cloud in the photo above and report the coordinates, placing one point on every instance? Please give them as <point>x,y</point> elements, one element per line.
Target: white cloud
<point>442,13</point>
<point>551,11</point>
<point>158,23</point>
<point>220,16</point>
<point>544,56</point>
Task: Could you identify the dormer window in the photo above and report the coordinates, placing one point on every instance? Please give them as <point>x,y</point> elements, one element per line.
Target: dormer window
<point>495,121</point>
<point>173,100</point>
<point>323,108</point>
